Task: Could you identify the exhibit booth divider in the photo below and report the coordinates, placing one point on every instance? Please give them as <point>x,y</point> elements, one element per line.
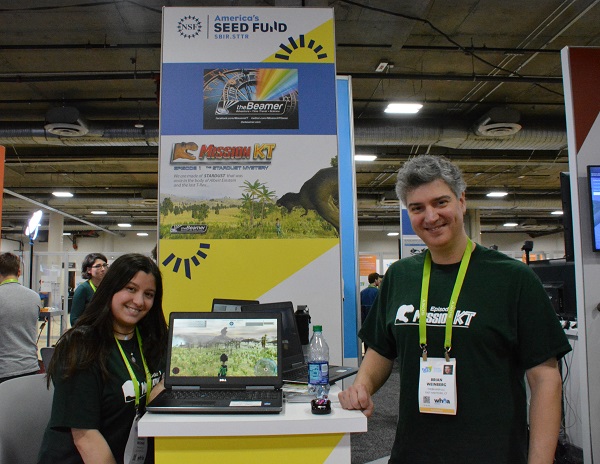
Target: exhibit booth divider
<point>249,201</point>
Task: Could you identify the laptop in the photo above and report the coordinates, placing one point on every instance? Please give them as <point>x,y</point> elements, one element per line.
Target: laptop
<point>230,305</point>
<point>295,369</point>
<point>222,363</point>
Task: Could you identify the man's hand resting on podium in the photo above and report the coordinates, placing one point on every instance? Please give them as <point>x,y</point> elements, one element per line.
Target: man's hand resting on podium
<point>374,371</point>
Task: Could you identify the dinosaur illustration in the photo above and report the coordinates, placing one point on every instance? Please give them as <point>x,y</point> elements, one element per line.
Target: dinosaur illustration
<point>182,150</point>
<point>320,194</point>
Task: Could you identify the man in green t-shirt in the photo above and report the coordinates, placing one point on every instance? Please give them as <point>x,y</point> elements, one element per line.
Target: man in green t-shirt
<point>466,325</point>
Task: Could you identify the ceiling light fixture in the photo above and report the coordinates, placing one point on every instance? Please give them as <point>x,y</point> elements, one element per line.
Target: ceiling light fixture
<point>124,224</point>
<point>497,194</point>
<point>393,234</point>
<point>403,108</point>
<point>510,224</point>
<point>98,212</point>
<point>62,194</point>
<point>557,213</point>
<point>365,157</point>
<point>142,234</point>
<point>34,224</point>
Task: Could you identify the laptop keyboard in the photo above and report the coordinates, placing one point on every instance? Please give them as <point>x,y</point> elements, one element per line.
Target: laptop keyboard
<point>299,374</point>
<point>235,395</point>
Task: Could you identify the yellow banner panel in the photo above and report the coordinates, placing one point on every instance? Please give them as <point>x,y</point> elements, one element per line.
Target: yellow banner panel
<point>290,449</point>
<point>195,271</point>
<point>316,46</point>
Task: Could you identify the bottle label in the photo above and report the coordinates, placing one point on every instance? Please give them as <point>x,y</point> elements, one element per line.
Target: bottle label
<point>318,372</point>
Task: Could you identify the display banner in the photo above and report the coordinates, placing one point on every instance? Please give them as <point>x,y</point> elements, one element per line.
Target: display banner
<point>248,188</point>
<point>348,218</point>
<point>581,77</point>
<point>411,244</point>
<point>367,264</point>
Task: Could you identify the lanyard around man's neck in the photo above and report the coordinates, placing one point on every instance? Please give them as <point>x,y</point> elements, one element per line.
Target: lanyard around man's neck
<point>10,281</point>
<point>464,264</point>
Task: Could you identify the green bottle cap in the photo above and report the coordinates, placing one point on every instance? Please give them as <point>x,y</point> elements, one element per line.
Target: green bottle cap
<point>317,328</point>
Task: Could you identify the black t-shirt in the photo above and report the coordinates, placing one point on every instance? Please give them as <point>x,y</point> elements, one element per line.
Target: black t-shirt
<point>87,401</point>
<point>504,324</point>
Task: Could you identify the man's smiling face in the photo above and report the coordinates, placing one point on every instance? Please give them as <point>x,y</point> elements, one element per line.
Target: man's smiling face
<point>436,215</point>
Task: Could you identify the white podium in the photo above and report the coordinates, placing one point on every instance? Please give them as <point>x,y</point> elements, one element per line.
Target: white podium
<point>293,436</point>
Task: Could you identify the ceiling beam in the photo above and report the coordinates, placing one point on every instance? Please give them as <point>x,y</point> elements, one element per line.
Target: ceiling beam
<point>155,75</point>
<point>62,213</point>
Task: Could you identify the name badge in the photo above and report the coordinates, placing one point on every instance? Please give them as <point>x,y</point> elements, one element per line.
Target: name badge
<point>137,447</point>
<point>437,386</point>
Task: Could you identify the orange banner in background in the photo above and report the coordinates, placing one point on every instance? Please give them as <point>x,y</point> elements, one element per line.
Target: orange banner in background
<point>367,264</point>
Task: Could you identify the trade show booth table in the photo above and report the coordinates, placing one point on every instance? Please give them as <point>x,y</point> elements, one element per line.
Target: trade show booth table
<point>293,436</point>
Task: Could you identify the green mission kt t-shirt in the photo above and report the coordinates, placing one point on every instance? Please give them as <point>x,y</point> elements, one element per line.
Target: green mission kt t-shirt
<point>504,324</point>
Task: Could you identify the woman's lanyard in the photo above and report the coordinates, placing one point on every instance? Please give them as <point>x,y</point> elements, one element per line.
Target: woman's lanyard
<point>92,285</point>
<point>134,380</point>
<point>464,263</point>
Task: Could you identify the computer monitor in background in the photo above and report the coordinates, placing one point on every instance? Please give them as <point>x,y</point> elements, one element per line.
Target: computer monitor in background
<point>558,278</point>
<point>226,305</point>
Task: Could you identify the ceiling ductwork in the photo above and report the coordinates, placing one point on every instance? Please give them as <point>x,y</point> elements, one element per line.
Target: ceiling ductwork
<point>106,202</point>
<point>530,202</point>
<point>368,132</point>
<point>110,134</point>
<point>523,203</point>
<point>449,133</point>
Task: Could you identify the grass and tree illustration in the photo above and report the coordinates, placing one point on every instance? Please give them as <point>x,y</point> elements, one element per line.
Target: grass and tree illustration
<point>206,361</point>
<point>254,214</point>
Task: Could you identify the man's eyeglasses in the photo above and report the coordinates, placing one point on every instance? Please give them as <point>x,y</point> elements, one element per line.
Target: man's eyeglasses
<point>98,266</point>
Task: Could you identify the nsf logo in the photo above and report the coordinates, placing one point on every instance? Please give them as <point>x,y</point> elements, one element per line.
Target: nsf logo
<point>189,27</point>
<point>426,369</point>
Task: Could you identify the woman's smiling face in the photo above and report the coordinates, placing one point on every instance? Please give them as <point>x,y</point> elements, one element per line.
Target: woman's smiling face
<point>131,304</point>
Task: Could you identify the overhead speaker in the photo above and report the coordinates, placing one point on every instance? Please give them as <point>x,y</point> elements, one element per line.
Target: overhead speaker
<point>498,122</point>
<point>65,121</point>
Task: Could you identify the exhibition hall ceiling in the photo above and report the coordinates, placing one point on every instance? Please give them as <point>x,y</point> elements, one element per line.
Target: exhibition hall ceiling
<point>488,74</point>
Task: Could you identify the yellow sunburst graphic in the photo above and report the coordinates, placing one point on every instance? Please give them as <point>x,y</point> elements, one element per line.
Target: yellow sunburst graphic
<point>316,46</point>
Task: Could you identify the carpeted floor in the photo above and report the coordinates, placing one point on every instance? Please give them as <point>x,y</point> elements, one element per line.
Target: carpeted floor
<point>377,442</point>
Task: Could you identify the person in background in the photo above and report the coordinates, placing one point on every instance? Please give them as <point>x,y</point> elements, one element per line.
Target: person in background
<point>479,311</point>
<point>367,295</point>
<point>107,367</point>
<point>93,268</point>
<point>19,312</point>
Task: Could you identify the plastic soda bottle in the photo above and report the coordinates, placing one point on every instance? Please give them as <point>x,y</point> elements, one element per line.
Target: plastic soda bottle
<point>318,364</point>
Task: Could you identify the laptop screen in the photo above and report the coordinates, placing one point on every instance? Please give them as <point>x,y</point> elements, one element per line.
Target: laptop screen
<point>224,350</point>
<point>290,339</point>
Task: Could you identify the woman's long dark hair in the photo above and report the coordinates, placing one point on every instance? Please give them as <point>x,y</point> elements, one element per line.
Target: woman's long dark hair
<point>92,337</point>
